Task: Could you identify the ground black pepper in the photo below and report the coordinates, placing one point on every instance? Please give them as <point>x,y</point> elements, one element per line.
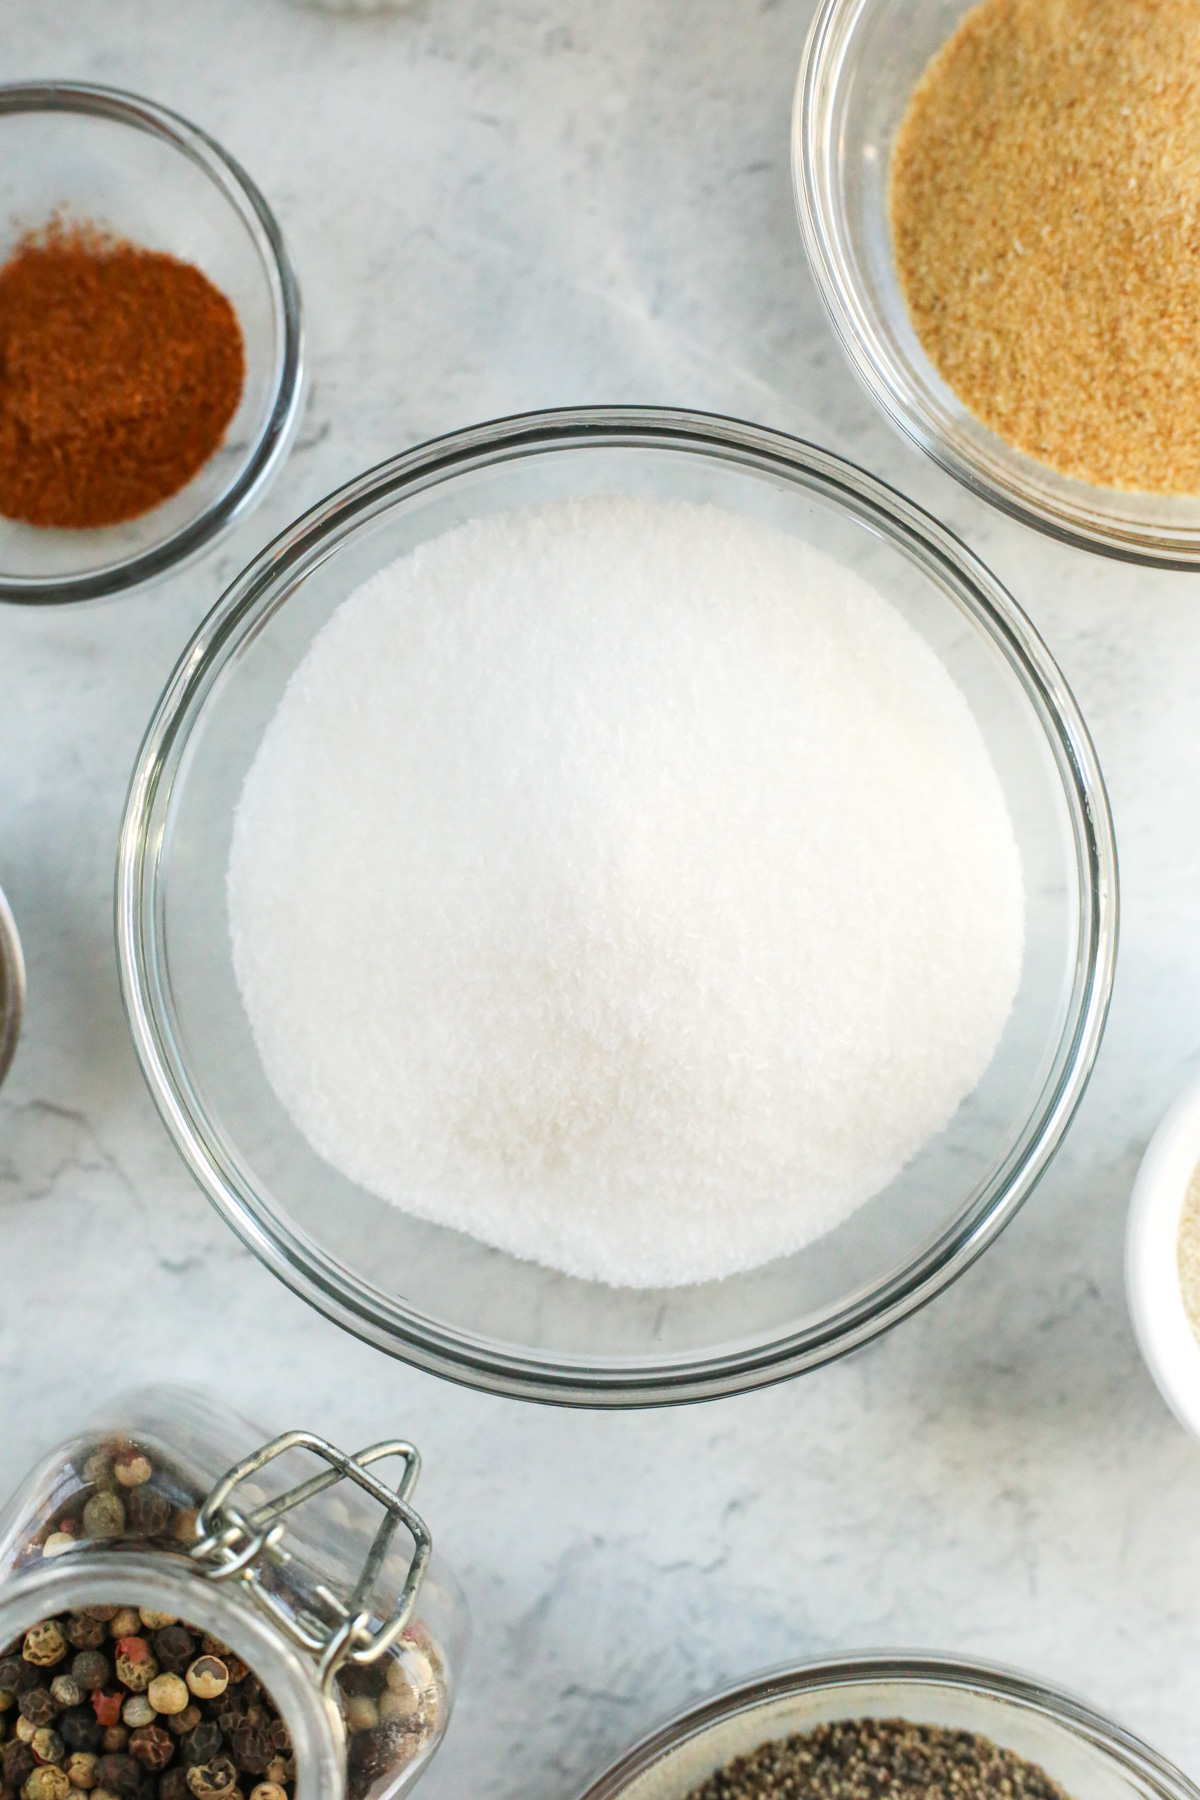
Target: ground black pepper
<point>879,1759</point>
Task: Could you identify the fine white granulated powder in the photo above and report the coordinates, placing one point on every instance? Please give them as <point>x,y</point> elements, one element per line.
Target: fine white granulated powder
<point>627,884</point>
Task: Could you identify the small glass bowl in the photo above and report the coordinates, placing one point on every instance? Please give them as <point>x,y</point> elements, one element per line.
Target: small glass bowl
<point>95,155</point>
<point>862,60</point>
<point>435,1296</point>
<point>1089,1756</point>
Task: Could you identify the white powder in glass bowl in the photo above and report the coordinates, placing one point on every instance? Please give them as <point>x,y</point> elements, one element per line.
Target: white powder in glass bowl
<point>627,884</point>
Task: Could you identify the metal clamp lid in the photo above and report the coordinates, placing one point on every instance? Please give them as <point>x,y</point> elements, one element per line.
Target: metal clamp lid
<point>235,1545</point>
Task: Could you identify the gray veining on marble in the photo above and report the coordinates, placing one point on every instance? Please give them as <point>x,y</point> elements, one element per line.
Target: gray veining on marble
<point>495,207</point>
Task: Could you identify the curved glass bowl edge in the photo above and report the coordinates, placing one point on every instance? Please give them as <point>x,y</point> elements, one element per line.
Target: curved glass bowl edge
<point>879,372</point>
<point>400,1330</point>
<point>12,987</point>
<point>283,421</point>
<point>879,1666</point>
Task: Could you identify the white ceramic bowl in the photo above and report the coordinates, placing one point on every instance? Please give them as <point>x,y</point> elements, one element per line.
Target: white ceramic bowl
<point>1151,1259</point>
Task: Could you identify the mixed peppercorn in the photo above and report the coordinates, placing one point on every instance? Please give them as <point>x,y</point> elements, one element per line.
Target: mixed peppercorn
<point>120,1703</point>
<point>117,1703</point>
<point>879,1759</point>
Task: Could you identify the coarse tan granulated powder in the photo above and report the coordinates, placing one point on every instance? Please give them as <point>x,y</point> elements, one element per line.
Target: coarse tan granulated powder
<point>1189,1253</point>
<point>880,1759</point>
<point>1045,205</point>
<point>627,884</point>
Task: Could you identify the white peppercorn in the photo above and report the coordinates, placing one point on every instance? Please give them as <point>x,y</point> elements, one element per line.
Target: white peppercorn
<point>131,1468</point>
<point>47,1746</point>
<point>207,1677</point>
<point>44,1644</point>
<point>169,1694</point>
<point>361,1712</point>
<point>398,1704</point>
<point>49,1783</point>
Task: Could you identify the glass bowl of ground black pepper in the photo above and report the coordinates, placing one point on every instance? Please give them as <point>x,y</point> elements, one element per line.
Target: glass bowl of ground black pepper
<point>150,342</point>
<point>907,1725</point>
<point>593,1257</point>
<point>997,205</point>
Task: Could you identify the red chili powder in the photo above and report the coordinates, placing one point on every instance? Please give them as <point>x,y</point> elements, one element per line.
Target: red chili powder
<point>120,370</point>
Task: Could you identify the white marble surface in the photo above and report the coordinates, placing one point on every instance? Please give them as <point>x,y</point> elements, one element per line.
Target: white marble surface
<point>496,206</point>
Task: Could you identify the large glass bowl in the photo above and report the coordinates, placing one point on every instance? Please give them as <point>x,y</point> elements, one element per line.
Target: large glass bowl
<point>862,60</point>
<point>1089,1756</point>
<point>12,987</point>
<point>95,155</point>
<point>441,1299</point>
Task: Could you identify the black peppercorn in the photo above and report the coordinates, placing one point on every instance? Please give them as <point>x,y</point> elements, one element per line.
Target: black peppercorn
<point>84,1632</point>
<point>80,1729</point>
<point>18,1763</point>
<point>120,1775</point>
<point>174,1648</point>
<point>369,1755</point>
<point>173,1785</point>
<point>148,1513</point>
<point>17,1676</point>
<point>361,1678</point>
<point>38,1705</point>
<point>202,1744</point>
<point>91,1670</point>
<point>251,1748</point>
<point>152,1746</point>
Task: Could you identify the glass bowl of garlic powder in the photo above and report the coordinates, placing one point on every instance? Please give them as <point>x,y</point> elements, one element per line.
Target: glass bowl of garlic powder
<point>616,906</point>
<point>996,198</point>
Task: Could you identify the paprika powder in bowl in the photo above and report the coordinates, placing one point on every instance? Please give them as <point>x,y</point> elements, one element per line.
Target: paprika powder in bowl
<point>150,337</point>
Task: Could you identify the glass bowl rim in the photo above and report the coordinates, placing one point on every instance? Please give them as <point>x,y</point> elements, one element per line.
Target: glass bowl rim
<point>996,1680</point>
<point>266,454</point>
<point>12,987</point>
<point>816,154</point>
<point>306,1267</point>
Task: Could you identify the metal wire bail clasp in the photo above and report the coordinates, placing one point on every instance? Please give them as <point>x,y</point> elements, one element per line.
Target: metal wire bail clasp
<point>236,1546</point>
